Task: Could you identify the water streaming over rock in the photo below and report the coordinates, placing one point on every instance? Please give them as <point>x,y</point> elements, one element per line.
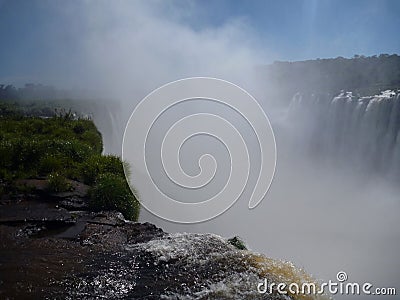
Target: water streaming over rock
<point>360,132</point>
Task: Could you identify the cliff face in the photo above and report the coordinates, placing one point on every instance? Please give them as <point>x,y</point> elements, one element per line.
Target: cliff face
<point>57,240</point>
<point>52,250</point>
<point>361,132</point>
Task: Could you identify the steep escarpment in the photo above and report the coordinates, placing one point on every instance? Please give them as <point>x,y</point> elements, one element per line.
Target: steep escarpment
<point>68,230</point>
<point>86,255</point>
<point>360,132</point>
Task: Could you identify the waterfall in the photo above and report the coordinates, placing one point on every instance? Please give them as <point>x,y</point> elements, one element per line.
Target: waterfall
<point>360,132</point>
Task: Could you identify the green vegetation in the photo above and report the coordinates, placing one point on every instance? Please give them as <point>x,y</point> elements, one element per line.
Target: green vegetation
<point>361,75</point>
<point>111,192</point>
<point>99,164</point>
<point>60,149</point>
<point>238,243</point>
<point>33,146</point>
<point>58,183</point>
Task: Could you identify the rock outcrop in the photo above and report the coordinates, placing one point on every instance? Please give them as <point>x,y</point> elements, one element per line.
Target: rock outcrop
<point>52,250</point>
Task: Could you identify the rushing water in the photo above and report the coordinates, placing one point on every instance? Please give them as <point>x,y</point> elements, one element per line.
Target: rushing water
<point>362,131</point>
<point>334,201</point>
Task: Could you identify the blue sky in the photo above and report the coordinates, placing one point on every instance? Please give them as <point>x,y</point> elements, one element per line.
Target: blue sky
<point>310,29</point>
<point>39,35</point>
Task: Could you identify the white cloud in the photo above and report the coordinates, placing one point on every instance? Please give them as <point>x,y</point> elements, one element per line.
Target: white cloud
<point>130,46</point>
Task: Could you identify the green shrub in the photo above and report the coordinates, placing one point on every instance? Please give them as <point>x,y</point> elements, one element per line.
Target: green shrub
<point>50,163</point>
<point>75,150</point>
<point>99,164</point>
<point>79,128</point>
<point>111,192</point>
<point>58,183</point>
<point>26,153</point>
<point>5,175</point>
<point>93,138</point>
<point>238,243</point>
<point>62,148</point>
<point>6,154</point>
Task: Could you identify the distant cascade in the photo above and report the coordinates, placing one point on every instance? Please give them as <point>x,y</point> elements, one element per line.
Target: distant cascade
<point>362,132</point>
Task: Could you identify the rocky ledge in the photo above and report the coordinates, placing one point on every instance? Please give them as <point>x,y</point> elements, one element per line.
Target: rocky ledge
<point>52,246</point>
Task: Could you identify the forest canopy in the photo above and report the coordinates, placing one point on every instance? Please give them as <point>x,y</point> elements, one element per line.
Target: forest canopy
<point>361,75</point>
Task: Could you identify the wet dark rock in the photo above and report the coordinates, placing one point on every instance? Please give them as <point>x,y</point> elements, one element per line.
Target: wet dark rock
<point>75,199</point>
<point>48,251</point>
<point>44,259</point>
<point>75,203</point>
<point>78,190</point>
<point>31,210</point>
<point>37,184</point>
